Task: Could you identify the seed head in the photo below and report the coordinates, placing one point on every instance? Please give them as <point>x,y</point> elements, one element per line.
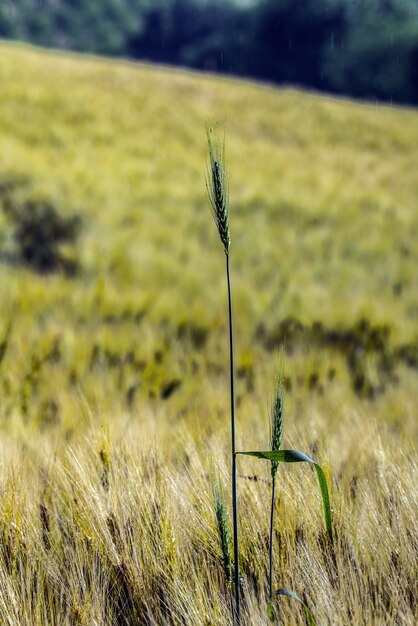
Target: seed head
<point>277,424</point>
<point>224,536</point>
<point>217,186</point>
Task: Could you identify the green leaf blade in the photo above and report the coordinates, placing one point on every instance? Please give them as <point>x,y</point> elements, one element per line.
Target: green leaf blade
<point>291,594</point>
<point>294,456</point>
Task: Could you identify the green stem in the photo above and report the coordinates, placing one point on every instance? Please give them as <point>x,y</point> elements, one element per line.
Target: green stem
<point>273,489</point>
<point>231,601</point>
<point>234,458</point>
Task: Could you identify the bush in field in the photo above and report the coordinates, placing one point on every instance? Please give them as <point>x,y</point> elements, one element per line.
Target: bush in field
<point>39,230</point>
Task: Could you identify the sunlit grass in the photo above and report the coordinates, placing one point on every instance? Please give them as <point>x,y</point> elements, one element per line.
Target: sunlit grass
<point>113,394</point>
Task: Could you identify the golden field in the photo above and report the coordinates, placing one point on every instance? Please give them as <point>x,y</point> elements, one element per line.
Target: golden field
<point>114,398</point>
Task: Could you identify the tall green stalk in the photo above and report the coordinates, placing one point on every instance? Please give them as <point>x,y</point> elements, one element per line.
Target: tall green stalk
<point>273,492</point>
<point>217,186</point>
<point>275,443</point>
<point>233,449</point>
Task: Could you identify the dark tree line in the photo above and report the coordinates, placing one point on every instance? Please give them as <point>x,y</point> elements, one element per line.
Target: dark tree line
<point>364,48</point>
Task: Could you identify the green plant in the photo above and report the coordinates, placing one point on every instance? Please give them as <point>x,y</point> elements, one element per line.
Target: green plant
<point>276,442</point>
<point>276,455</point>
<point>224,537</point>
<point>217,186</point>
<point>218,192</point>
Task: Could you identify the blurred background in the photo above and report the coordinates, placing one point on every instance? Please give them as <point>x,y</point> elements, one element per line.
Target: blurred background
<point>361,48</point>
<point>105,230</point>
<point>114,355</point>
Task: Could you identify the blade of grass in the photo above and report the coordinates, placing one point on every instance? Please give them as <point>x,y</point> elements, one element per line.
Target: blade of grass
<point>291,594</point>
<point>294,456</point>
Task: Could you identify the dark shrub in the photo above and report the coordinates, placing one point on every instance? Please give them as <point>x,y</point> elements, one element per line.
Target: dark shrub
<point>39,230</point>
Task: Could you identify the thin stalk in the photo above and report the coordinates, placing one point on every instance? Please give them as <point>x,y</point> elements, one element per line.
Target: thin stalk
<point>231,601</point>
<point>273,490</point>
<point>275,443</point>
<point>234,457</point>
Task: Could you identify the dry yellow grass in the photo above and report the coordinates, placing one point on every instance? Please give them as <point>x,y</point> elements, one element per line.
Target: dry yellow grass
<point>106,512</point>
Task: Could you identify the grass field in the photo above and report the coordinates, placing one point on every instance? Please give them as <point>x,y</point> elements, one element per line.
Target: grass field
<point>114,383</point>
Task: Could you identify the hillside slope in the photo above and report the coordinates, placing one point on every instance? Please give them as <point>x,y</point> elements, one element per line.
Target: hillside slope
<point>320,189</point>
<point>114,382</point>
<point>323,207</point>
